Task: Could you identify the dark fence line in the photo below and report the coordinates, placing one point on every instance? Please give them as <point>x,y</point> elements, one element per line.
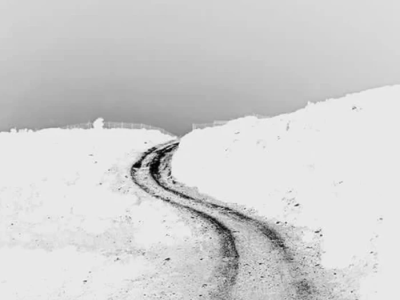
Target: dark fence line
<point>125,125</point>
<point>87,125</point>
<point>111,125</point>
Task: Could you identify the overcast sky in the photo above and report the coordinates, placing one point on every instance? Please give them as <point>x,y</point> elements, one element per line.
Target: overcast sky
<point>177,62</point>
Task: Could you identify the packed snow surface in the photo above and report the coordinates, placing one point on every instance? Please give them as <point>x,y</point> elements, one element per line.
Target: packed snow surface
<point>331,168</point>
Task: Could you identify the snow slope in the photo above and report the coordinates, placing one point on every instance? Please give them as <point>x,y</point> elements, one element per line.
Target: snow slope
<point>72,223</point>
<point>331,168</point>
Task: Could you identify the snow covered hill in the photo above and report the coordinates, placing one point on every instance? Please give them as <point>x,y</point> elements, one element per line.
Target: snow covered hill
<point>331,168</point>
<point>74,226</point>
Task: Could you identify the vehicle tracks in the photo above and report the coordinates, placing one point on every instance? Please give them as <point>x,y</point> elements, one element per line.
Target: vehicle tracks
<point>254,260</point>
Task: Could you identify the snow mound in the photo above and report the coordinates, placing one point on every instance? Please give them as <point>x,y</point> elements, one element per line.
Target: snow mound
<point>98,124</point>
<point>332,167</point>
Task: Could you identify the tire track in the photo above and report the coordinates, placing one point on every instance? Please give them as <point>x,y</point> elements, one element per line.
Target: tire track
<point>271,234</point>
<point>264,253</point>
<point>228,269</point>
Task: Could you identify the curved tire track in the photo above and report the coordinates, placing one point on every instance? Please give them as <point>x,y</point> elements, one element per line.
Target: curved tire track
<point>228,270</point>
<point>255,261</point>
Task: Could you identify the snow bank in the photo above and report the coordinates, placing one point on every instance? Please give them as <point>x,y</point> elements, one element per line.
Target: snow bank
<point>332,167</point>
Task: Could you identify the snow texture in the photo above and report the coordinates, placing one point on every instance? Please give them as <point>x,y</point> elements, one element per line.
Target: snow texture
<point>332,168</point>
<point>74,226</point>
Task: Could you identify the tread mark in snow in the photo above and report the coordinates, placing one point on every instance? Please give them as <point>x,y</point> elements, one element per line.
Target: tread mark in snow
<point>151,164</point>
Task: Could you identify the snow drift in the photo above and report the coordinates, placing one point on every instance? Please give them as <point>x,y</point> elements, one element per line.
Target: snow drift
<point>332,167</point>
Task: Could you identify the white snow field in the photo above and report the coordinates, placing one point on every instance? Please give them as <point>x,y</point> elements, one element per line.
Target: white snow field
<point>72,224</point>
<point>331,167</point>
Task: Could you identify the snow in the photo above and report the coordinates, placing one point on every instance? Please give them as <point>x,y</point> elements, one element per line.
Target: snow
<point>98,123</point>
<point>331,167</point>
<point>72,224</point>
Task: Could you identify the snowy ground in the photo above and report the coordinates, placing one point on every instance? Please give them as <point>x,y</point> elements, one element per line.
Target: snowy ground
<point>73,225</point>
<point>332,167</point>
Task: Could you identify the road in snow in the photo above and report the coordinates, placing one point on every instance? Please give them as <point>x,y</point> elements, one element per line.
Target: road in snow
<point>254,260</point>
<point>324,178</point>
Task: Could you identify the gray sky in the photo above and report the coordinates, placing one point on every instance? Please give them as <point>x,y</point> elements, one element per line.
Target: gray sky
<point>177,62</point>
